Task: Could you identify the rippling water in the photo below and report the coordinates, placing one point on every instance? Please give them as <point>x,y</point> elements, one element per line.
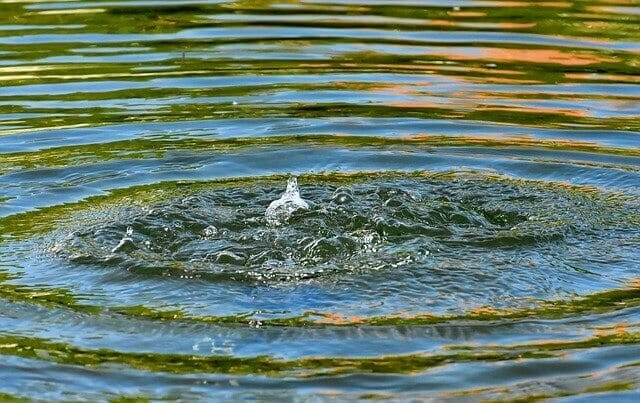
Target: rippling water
<point>472,174</point>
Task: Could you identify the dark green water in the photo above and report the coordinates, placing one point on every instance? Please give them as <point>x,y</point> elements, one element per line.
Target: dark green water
<point>472,171</point>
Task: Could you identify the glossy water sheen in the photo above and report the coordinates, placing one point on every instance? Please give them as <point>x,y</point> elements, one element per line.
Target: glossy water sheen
<point>466,223</point>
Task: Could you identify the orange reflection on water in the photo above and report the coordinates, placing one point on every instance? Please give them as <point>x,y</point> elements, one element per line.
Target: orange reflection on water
<point>603,77</point>
<point>517,25</point>
<point>467,14</point>
<point>396,89</point>
<point>607,10</point>
<point>501,80</point>
<point>441,23</point>
<point>334,319</point>
<point>541,56</point>
<point>619,329</point>
<point>553,4</point>
<point>484,310</point>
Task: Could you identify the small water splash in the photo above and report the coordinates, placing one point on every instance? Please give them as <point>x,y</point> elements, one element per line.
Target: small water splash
<point>126,243</point>
<point>279,211</point>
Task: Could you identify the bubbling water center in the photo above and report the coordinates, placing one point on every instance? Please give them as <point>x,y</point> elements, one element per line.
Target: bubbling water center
<point>421,242</point>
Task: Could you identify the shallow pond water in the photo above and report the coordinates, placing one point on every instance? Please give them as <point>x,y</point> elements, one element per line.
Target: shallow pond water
<point>468,221</point>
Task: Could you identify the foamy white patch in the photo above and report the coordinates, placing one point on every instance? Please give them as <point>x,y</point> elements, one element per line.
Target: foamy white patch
<point>279,211</point>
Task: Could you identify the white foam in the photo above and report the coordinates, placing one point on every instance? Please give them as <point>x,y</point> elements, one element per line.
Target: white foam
<point>279,211</point>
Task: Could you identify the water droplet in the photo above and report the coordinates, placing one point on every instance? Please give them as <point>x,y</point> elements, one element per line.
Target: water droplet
<point>210,231</point>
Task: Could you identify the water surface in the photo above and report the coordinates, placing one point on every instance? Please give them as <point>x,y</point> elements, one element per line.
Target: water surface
<point>472,175</point>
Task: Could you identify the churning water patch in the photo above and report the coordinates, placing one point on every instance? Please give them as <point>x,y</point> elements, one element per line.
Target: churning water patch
<point>463,240</point>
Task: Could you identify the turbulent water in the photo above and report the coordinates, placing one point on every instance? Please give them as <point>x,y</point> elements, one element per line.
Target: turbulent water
<point>465,223</point>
